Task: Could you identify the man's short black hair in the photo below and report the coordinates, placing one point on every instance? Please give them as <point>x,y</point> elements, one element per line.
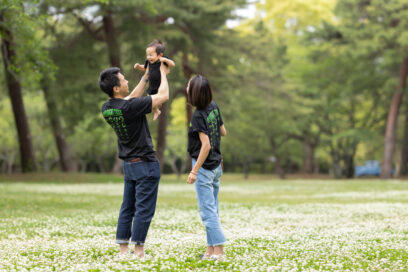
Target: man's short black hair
<point>199,92</point>
<point>158,45</point>
<point>109,79</point>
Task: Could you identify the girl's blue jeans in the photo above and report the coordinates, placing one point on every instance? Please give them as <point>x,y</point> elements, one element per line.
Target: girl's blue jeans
<point>207,186</point>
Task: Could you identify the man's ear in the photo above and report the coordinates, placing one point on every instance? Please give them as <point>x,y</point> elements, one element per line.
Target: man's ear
<point>116,89</point>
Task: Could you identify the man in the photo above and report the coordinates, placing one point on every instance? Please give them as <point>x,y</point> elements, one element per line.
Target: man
<point>127,116</point>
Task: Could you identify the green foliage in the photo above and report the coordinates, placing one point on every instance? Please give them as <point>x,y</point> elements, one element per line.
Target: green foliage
<point>23,21</point>
<point>46,153</point>
<point>8,137</point>
<point>314,72</point>
<point>94,143</point>
<point>43,139</point>
<point>176,148</point>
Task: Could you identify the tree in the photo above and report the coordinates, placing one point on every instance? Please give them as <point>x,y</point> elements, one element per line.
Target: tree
<point>404,152</point>
<point>176,155</point>
<point>94,153</point>
<point>345,93</point>
<point>16,24</point>
<point>191,31</point>
<point>8,138</point>
<point>386,24</point>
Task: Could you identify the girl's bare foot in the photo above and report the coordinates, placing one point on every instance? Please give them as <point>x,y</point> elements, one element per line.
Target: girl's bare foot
<point>218,253</point>
<point>209,251</point>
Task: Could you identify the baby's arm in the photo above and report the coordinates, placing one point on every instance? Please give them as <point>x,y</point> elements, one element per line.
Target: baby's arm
<point>169,62</point>
<point>139,67</point>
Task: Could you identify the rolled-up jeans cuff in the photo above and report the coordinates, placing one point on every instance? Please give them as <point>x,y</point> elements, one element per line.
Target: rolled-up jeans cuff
<point>218,244</point>
<point>137,243</point>
<point>122,241</point>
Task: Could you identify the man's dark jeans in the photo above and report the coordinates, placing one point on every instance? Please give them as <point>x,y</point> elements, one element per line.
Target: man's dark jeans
<point>139,201</point>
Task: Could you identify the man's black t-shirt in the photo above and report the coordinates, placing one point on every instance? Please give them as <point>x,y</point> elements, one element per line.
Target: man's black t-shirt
<point>209,122</point>
<point>154,76</point>
<point>128,119</point>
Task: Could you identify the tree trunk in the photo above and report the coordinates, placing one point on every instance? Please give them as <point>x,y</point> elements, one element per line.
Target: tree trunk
<point>278,168</point>
<point>59,136</point>
<point>246,168</point>
<point>308,160</point>
<point>263,166</point>
<point>111,39</point>
<point>337,170</point>
<point>161,135</point>
<point>100,165</point>
<point>389,141</point>
<point>173,166</point>
<point>316,167</point>
<point>404,152</point>
<point>349,165</point>
<point>28,163</point>
<point>8,161</point>
<point>188,72</point>
<point>114,60</point>
<point>232,165</point>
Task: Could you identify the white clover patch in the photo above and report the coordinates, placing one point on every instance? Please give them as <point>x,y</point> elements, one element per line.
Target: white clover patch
<point>270,226</point>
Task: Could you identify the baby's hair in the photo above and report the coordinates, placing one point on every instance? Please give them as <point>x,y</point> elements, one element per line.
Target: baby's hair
<point>158,45</point>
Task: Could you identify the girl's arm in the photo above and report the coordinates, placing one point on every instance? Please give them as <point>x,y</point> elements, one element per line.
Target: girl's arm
<point>169,62</point>
<point>223,131</point>
<point>204,151</point>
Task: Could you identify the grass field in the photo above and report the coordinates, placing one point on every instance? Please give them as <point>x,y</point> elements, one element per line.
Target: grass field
<point>68,223</point>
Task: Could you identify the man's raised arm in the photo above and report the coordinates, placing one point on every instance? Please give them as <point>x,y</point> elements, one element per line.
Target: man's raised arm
<point>139,89</point>
<point>163,93</point>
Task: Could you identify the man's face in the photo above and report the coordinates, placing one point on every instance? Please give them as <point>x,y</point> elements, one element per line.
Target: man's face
<point>123,89</point>
<point>151,55</point>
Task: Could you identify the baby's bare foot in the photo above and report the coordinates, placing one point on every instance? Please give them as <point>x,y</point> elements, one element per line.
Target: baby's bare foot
<point>157,112</point>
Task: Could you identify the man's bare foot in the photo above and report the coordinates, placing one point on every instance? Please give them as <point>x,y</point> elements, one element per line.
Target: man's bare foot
<point>124,249</point>
<point>157,112</point>
<point>139,252</point>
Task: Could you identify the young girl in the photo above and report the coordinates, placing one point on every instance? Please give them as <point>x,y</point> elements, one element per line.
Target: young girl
<point>204,139</point>
<point>154,56</point>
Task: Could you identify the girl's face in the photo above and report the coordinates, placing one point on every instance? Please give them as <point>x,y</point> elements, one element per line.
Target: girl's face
<point>151,55</point>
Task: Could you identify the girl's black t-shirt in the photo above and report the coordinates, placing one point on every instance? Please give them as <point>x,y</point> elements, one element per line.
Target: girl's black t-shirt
<point>208,121</point>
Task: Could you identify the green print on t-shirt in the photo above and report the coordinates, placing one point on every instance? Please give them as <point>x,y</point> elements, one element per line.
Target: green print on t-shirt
<point>213,124</point>
<point>115,118</point>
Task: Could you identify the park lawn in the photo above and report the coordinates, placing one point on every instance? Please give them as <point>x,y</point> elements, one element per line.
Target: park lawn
<point>59,222</point>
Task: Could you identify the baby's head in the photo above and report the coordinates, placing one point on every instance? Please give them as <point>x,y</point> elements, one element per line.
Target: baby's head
<point>154,51</point>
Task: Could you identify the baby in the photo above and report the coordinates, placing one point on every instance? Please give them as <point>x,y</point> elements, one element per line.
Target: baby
<point>154,57</point>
